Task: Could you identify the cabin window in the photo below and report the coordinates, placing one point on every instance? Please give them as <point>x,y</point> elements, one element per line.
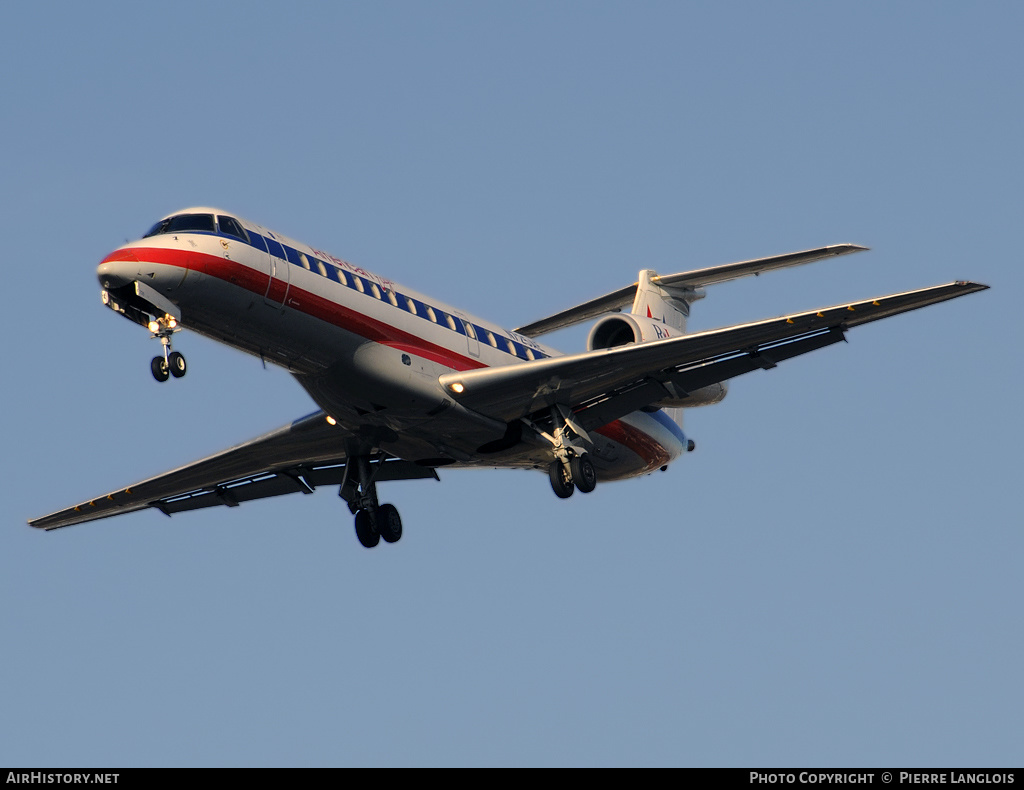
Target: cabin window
<point>491,338</point>
<point>321,268</point>
<point>359,284</point>
<point>470,329</point>
<point>410,305</point>
<point>451,323</point>
<point>231,227</point>
<point>431,314</point>
<point>392,298</point>
<point>304,261</point>
<point>375,291</point>
<point>342,277</point>
<point>529,354</point>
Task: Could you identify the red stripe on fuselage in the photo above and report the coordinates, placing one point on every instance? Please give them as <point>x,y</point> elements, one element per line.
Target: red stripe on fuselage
<point>302,301</point>
<point>642,444</point>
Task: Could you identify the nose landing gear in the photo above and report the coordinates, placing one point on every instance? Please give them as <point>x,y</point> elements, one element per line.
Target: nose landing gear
<point>172,363</point>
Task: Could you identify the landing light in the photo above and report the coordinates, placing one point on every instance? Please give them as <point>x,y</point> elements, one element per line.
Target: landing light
<point>331,420</point>
<point>154,327</point>
<point>457,388</point>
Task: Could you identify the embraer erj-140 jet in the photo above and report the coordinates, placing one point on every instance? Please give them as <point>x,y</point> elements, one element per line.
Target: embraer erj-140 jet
<point>407,384</point>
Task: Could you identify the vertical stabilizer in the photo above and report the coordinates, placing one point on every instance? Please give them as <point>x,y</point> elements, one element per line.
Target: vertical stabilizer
<point>670,305</point>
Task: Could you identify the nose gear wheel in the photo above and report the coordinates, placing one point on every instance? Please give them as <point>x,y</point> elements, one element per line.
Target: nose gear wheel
<point>159,368</point>
<point>172,363</point>
<point>176,363</point>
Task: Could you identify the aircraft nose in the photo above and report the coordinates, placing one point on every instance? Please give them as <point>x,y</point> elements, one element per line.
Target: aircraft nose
<point>119,268</point>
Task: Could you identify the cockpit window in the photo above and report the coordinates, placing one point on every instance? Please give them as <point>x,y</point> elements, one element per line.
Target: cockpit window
<point>182,223</point>
<point>231,226</point>
<point>157,229</point>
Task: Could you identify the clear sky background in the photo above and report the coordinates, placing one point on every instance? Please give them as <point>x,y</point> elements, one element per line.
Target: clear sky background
<point>832,578</point>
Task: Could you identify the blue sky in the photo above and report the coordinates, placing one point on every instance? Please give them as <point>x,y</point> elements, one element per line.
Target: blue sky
<point>833,578</point>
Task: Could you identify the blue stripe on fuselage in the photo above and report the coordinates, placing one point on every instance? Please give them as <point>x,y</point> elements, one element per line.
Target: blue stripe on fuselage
<point>671,424</point>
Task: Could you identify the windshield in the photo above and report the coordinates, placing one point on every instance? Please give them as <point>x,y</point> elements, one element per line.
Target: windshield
<point>183,223</point>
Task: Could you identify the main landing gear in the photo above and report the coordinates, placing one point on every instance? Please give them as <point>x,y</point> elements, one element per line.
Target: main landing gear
<point>572,468</point>
<point>172,363</point>
<point>578,474</point>
<point>373,520</point>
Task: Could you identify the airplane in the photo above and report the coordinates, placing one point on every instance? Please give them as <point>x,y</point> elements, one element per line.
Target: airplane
<point>406,385</point>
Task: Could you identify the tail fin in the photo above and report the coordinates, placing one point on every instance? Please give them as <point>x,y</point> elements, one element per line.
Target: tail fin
<point>670,305</point>
<point>662,303</point>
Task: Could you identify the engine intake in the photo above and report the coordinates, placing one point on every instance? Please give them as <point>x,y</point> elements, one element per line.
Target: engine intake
<point>621,330</point>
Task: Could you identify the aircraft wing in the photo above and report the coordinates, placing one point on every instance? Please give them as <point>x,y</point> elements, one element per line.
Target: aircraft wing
<point>297,457</point>
<point>616,300</point>
<point>605,384</point>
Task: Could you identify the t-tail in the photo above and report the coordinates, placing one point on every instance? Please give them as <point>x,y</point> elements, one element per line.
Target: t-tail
<point>669,305</point>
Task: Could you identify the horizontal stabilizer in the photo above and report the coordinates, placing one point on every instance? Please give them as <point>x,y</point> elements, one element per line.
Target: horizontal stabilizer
<point>698,278</point>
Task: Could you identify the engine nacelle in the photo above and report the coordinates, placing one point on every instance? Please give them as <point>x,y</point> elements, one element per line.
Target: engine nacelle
<point>621,330</point>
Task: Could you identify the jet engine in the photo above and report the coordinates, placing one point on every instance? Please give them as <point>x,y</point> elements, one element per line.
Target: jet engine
<point>621,330</point>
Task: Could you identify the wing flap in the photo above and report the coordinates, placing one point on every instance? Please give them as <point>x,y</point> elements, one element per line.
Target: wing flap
<point>511,392</point>
<point>289,481</point>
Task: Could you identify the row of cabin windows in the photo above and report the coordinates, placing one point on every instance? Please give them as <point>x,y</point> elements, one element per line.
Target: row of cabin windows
<point>396,299</point>
<point>420,309</point>
<point>229,226</point>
